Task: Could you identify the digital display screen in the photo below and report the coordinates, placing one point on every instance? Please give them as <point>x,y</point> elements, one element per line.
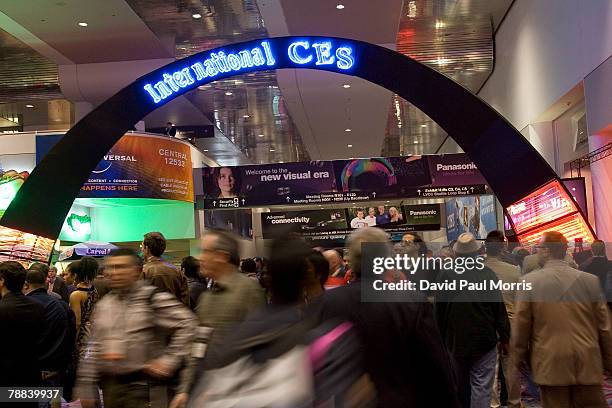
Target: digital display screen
<point>544,205</point>
<point>550,208</point>
<point>16,245</point>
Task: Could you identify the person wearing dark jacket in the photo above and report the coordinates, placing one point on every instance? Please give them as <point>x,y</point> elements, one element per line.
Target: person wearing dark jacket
<point>58,337</point>
<point>404,354</point>
<point>190,267</point>
<point>160,273</point>
<point>57,284</point>
<point>599,265</point>
<point>22,322</point>
<point>473,323</point>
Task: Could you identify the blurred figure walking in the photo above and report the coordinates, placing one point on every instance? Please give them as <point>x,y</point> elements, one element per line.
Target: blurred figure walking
<point>404,353</point>
<point>232,297</point>
<point>140,337</point>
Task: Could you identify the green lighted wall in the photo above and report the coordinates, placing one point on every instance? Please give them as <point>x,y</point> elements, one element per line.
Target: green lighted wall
<point>122,220</point>
<point>8,189</point>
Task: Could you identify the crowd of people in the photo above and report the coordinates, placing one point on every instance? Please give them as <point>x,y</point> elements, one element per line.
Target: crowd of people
<point>292,330</point>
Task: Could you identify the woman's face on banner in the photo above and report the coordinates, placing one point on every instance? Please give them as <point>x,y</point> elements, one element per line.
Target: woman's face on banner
<point>226,180</point>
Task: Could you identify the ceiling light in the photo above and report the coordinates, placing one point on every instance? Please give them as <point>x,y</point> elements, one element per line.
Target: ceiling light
<point>205,150</point>
<point>196,15</point>
<point>83,24</point>
<point>347,130</point>
<point>246,116</point>
<point>573,188</point>
<point>387,201</point>
<point>281,161</point>
<point>260,135</point>
<point>272,150</point>
<point>228,93</point>
<point>349,145</point>
<point>346,86</point>
<point>416,142</point>
<point>424,125</point>
<point>29,106</point>
<point>339,6</point>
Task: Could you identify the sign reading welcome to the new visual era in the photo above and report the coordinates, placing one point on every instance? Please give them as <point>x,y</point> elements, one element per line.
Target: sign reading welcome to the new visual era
<point>324,53</point>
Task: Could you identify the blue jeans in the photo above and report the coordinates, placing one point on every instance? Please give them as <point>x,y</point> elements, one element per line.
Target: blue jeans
<point>476,379</point>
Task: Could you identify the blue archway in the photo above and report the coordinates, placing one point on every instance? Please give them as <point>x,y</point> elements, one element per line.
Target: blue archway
<point>512,167</point>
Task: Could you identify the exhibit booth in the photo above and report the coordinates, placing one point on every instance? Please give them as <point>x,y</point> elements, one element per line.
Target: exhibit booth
<point>144,183</point>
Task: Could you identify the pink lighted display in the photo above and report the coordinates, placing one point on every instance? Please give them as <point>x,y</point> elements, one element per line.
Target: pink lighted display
<point>550,208</point>
<point>548,203</point>
<point>571,227</point>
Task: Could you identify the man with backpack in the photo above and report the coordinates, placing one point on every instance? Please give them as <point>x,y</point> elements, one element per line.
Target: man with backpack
<point>140,337</point>
<point>280,357</point>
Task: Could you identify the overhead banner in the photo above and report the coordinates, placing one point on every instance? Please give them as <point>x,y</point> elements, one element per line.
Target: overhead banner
<point>279,224</point>
<point>337,223</point>
<point>476,215</point>
<point>137,166</point>
<point>339,181</point>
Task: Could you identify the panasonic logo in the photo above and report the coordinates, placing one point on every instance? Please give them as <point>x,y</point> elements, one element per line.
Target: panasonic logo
<point>424,212</point>
<point>451,167</point>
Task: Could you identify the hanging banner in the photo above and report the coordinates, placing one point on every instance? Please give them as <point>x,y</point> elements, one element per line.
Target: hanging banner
<point>137,166</point>
<point>340,181</point>
<point>279,224</point>
<point>337,223</point>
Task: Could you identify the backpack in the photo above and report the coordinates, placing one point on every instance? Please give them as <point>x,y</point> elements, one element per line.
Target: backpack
<point>302,370</point>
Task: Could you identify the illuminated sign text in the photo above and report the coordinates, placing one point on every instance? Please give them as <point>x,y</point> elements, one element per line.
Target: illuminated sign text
<point>303,52</point>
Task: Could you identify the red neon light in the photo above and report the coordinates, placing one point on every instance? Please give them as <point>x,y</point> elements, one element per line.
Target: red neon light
<point>572,227</point>
<point>548,203</point>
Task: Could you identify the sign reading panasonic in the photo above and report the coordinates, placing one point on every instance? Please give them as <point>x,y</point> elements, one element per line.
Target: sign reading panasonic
<point>302,52</point>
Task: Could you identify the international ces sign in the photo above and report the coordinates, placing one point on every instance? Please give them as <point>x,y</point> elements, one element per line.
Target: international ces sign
<point>318,52</point>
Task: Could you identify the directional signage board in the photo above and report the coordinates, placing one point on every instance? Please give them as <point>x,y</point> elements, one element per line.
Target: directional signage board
<point>451,191</point>
<point>341,181</point>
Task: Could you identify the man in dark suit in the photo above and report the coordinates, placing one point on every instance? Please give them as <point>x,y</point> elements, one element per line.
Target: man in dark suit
<point>22,322</point>
<point>598,264</point>
<point>57,341</point>
<point>57,284</point>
